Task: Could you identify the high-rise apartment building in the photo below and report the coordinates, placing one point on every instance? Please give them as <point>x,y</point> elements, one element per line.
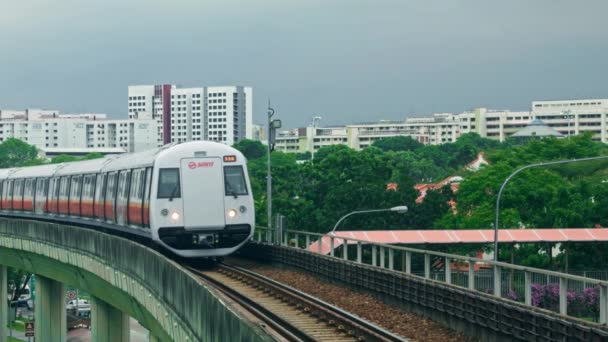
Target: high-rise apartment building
<point>222,114</point>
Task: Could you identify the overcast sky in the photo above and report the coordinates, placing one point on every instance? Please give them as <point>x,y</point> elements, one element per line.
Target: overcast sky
<point>345,60</point>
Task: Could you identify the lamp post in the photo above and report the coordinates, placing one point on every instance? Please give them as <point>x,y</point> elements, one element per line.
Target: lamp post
<point>518,171</point>
<point>399,209</point>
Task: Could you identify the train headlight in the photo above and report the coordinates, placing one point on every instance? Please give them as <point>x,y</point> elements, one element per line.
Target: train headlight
<point>175,216</point>
<point>164,212</point>
<point>232,213</point>
<point>242,209</point>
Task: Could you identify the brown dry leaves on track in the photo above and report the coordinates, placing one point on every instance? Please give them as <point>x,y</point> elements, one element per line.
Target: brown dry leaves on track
<point>407,324</point>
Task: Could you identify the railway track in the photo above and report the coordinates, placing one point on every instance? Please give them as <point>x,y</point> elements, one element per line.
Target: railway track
<point>293,315</point>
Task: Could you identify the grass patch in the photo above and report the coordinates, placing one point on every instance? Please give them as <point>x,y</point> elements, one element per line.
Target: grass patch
<point>18,327</point>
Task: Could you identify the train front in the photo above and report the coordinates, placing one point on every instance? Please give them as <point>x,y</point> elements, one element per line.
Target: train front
<point>202,205</point>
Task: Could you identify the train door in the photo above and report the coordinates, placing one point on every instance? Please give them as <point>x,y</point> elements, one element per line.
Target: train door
<point>136,195</point>
<point>122,197</point>
<point>18,195</point>
<point>75,193</point>
<point>5,192</point>
<point>54,195</point>
<point>40,198</point>
<point>146,206</point>
<point>88,191</point>
<point>203,192</point>
<point>110,199</point>
<point>28,194</point>
<point>100,186</point>
<point>9,190</point>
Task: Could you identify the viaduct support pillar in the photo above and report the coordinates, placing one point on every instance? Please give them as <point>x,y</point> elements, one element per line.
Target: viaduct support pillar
<point>3,304</point>
<point>50,312</point>
<point>108,324</point>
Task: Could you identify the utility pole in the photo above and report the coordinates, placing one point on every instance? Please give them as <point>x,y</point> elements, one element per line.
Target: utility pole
<point>272,131</point>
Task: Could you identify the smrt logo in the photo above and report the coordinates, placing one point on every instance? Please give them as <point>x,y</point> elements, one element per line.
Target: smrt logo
<point>193,165</point>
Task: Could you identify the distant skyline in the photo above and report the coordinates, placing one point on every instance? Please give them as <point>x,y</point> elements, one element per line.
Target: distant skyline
<point>344,60</point>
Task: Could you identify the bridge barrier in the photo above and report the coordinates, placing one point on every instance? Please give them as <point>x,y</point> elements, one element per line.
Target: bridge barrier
<point>456,291</point>
<point>168,300</point>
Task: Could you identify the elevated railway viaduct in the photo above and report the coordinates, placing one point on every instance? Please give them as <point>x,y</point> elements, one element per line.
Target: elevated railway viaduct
<point>128,279</point>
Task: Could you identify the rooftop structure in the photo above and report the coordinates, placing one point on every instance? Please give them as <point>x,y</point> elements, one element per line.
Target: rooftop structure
<point>536,129</point>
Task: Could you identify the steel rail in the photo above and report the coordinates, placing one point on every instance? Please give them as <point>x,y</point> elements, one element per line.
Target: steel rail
<point>278,324</point>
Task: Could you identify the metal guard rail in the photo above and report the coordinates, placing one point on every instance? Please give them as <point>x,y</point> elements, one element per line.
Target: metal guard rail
<point>379,256</point>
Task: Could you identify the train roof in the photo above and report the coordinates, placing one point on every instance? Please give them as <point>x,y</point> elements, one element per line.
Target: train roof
<point>112,163</point>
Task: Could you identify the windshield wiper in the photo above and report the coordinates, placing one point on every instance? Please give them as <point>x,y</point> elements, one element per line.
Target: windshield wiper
<point>231,192</point>
<point>174,192</point>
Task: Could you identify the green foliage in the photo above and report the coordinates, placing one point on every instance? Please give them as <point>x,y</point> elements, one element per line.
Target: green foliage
<point>314,195</point>
<point>560,196</point>
<point>399,143</point>
<point>252,149</point>
<point>16,153</point>
<point>63,158</point>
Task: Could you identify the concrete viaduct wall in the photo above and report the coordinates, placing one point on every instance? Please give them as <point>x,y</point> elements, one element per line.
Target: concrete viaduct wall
<point>160,294</point>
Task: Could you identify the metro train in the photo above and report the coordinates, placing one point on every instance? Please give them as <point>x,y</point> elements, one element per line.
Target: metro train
<point>193,198</point>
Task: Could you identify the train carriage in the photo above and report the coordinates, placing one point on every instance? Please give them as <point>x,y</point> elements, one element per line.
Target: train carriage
<point>192,198</point>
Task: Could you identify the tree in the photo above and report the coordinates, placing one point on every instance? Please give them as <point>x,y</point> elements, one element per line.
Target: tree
<point>399,143</point>
<point>16,153</point>
<point>252,149</point>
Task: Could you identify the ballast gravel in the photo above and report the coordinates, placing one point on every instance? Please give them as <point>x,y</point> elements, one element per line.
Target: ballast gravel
<point>412,326</point>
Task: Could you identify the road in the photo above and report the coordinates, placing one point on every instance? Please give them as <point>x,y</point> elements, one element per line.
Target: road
<point>137,333</point>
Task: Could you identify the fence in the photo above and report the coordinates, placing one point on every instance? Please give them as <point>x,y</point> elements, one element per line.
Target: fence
<point>568,294</point>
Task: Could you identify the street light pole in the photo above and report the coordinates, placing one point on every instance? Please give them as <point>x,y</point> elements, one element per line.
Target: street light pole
<point>518,171</point>
<point>400,209</point>
<point>269,175</point>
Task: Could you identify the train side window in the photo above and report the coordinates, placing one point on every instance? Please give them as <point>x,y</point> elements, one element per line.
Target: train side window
<point>63,188</point>
<point>29,188</point>
<point>168,183</point>
<point>87,187</point>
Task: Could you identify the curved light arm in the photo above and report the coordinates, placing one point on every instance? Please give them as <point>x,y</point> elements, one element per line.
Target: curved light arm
<point>518,171</point>
<point>400,209</point>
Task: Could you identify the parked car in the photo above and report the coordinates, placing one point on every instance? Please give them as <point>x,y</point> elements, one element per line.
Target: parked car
<point>82,304</point>
<point>23,299</point>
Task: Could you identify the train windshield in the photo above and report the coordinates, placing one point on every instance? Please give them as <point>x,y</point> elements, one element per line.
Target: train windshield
<point>168,183</point>
<point>234,180</point>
